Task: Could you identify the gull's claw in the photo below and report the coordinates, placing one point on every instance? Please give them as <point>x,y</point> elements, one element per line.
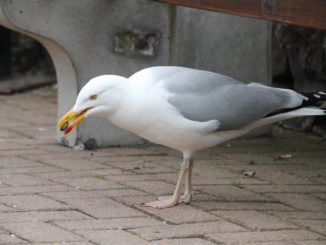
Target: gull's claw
<point>167,203</point>
<point>185,198</point>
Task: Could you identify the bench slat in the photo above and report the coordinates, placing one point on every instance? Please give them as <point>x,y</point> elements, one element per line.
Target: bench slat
<point>310,13</point>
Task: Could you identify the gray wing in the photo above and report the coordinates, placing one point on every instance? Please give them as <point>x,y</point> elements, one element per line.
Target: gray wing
<point>234,105</point>
<point>203,96</point>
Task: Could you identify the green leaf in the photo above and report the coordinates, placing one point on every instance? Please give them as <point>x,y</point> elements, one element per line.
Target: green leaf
<point>102,177</point>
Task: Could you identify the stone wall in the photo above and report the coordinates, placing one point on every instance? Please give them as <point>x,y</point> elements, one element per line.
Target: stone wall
<point>299,57</point>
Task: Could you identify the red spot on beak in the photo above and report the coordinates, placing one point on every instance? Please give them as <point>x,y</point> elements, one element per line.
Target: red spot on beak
<point>68,130</point>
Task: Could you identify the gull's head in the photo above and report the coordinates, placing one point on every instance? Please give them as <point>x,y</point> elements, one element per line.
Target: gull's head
<point>99,97</point>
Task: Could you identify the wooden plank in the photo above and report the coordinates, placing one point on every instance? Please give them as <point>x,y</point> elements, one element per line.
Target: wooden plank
<point>310,13</point>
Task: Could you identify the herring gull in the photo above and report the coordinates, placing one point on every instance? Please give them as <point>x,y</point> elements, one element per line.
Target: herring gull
<point>187,110</point>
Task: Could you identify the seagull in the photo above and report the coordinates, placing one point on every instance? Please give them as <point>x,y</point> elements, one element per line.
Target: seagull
<point>187,110</point>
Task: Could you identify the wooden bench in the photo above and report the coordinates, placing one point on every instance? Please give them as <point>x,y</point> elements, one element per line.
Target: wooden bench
<point>309,13</point>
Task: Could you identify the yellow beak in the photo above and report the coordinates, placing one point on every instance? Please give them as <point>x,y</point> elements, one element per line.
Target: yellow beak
<point>63,123</point>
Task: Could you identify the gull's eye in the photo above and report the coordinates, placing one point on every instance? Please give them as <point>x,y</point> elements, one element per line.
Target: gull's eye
<point>93,97</point>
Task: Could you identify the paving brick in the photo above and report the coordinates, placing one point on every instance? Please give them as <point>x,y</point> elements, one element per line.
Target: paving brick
<point>99,202</point>
<point>50,156</point>
<point>8,134</point>
<point>313,225</point>
<point>171,177</point>
<point>263,236</point>
<point>54,147</point>
<point>245,158</point>
<point>5,145</point>
<point>31,202</point>
<point>207,170</point>
<point>153,187</point>
<point>321,196</point>
<point>264,145</point>
<point>65,243</point>
<point>41,232</point>
<point>7,123</point>
<point>94,193</point>
<point>198,180</point>
<point>44,216</point>
<point>116,160</point>
<point>319,180</point>
<point>215,205</point>
<point>5,208</point>
<point>22,152</point>
<point>24,102</point>
<point>17,162</point>
<point>199,196</point>
<point>28,142</point>
<point>271,243</point>
<point>74,164</point>
<point>181,214</point>
<point>109,224</point>
<point>90,183</point>
<point>315,152</point>
<point>103,208</point>
<point>81,173</point>
<point>129,151</point>
<point>109,213</point>
<point>112,237</point>
<point>24,180</point>
<point>320,242</point>
<point>305,162</point>
<point>267,173</point>
<point>255,220</point>
<point>10,239</point>
<point>186,230</point>
<point>286,188</point>
<point>309,173</point>
<point>301,201</point>
<point>299,215</point>
<point>232,193</point>
<point>4,191</point>
<point>31,170</point>
<point>142,166</point>
<point>184,241</point>
<point>264,168</point>
<point>135,200</point>
<point>32,117</point>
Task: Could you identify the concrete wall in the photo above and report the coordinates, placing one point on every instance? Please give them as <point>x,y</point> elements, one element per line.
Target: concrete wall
<point>235,46</point>
<point>85,32</point>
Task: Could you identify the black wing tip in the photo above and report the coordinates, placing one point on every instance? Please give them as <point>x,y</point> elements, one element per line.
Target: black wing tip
<point>311,99</point>
<point>314,99</point>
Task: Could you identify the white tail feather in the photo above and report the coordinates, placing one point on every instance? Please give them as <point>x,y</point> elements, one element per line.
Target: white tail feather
<point>302,112</point>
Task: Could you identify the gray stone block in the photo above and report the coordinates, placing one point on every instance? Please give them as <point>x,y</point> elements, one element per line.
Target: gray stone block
<point>232,45</point>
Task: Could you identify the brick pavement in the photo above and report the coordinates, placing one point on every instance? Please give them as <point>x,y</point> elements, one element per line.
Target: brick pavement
<point>50,194</point>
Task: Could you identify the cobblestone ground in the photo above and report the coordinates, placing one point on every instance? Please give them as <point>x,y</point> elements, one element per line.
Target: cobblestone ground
<point>50,194</point>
